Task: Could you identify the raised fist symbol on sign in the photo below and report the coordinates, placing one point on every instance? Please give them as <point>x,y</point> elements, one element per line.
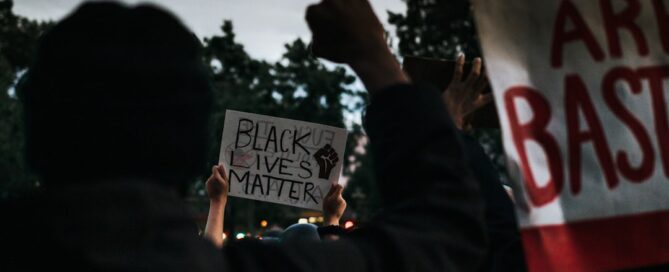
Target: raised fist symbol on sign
<point>327,158</point>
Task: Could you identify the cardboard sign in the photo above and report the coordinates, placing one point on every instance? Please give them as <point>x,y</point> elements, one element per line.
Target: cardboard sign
<point>281,160</point>
<point>580,89</point>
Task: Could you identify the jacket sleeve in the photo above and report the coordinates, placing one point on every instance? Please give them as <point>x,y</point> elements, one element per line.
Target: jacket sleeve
<point>432,218</point>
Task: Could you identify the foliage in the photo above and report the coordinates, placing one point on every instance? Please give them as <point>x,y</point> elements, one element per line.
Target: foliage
<point>436,29</point>
<point>18,37</point>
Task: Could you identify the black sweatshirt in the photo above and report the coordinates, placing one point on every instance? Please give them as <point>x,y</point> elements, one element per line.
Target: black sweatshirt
<point>432,217</point>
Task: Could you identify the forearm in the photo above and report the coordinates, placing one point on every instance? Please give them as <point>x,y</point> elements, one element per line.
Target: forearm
<point>215,222</point>
<point>379,70</point>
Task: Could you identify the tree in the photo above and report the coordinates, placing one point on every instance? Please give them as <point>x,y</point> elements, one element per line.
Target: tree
<point>436,29</point>
<point>18,37</point>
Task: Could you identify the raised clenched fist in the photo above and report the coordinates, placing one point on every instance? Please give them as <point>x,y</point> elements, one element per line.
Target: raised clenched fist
<point>345,31</point>
<point>327,158</point>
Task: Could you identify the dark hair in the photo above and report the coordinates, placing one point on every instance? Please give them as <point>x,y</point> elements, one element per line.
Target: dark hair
<point>117,92</point>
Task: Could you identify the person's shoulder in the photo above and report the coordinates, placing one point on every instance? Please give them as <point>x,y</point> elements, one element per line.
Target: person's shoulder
<point>17,214</point>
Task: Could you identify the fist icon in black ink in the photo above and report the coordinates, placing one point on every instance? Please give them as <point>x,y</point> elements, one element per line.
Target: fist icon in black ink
<point>327,158</point>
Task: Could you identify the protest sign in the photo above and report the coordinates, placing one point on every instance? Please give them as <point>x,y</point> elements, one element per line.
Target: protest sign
<point>580,91</point>
<point>281,160</point>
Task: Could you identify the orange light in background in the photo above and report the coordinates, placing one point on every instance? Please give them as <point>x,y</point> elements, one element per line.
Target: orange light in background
<point>225,236</point>
<point>263,223</point>
<point>349,224</point>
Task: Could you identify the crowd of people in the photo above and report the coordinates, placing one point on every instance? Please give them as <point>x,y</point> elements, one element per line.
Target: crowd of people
<point>117,115</point>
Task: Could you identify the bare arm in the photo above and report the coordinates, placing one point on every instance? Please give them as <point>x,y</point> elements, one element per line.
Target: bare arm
<point>217,190</point>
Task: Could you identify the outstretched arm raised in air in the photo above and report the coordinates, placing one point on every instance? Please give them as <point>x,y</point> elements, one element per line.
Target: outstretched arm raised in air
<point>217,189</point>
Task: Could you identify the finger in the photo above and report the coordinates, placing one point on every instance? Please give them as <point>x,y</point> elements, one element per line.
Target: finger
<point>312,14</point>
<point>483,100</point>
<point>459,68</point>
<point>213,174</point>
<point>318,19</point>
<point>475,72</point>
<point>217,174</point>
<point>314,17</point>
<point>340,189</point>
<point>480,85</point>
<point>223,172</point>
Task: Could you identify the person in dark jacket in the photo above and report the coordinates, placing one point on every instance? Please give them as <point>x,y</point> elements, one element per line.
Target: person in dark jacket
<point>463,97</point>
<point>116,111</point>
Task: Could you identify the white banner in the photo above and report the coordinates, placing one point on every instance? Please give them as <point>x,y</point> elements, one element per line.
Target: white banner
<point>580,91</point>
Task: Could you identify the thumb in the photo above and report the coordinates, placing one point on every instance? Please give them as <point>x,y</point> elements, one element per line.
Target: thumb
<point>340,189</point>
<point>222,171</point>
<point>332,191</point>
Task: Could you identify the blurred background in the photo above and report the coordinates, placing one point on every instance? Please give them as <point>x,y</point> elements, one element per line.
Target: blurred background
<point>258,55</point>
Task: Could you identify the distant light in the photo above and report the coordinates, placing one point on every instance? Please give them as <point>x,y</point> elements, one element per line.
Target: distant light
<point>349,224</point>
<point>240,236</point>
<point>319,219</point>
<point>263,223</point>
<point>312,219</point>
<point>302,221</point>
<point>225,236</point>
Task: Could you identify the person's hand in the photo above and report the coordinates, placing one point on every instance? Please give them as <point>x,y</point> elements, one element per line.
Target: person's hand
<point>345,31</point>
<point>217,184</point>
<point>348,31</point>
<point>334,205</point>
<point>463,97</point>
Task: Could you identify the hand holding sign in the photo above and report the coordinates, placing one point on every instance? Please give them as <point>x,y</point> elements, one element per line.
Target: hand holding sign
<point>465,97</point>
<point>217,184</point>
<point>334,205</point>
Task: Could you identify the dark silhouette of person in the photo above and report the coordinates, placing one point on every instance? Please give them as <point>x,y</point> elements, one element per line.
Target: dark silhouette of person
<point>117,107</point>
<point>505,250</point>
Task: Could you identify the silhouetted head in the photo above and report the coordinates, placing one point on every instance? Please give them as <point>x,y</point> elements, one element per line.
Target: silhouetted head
<point>117,92</point>
<point>300,233</point>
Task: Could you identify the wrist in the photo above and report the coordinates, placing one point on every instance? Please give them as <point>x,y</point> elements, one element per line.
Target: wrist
<point>330,221</point>
<point>379,70</point>
<point>221,201</point>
